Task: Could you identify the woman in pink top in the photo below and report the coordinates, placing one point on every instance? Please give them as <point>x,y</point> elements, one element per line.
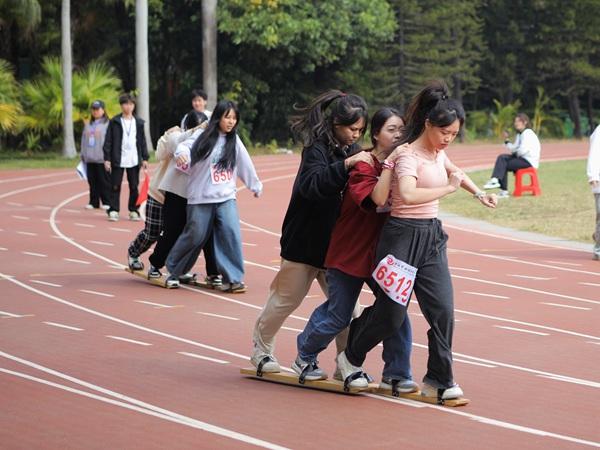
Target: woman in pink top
<point>413,237</point>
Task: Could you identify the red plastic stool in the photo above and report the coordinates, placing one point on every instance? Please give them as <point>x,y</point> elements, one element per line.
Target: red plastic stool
<point>533,186</point>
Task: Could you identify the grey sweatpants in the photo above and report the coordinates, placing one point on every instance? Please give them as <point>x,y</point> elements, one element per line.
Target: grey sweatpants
<point>422,244</point>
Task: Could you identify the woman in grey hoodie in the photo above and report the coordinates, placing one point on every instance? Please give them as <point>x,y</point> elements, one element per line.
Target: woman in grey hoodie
<point>92,140</point>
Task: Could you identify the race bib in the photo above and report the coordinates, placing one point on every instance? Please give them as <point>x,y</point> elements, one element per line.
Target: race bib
<point>220,176</point>
<point>396,278</point>
<point>185,168</point>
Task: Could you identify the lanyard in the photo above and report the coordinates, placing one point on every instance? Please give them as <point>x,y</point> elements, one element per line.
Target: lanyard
<point>127,131</point>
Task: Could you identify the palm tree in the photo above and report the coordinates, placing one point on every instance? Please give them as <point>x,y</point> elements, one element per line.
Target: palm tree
<point>10,108</point>
<point>69,150</point>
<point>142,77</point>
<point>209,50</point>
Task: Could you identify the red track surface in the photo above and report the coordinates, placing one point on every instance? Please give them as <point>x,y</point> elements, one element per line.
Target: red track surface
<point>527,344</point>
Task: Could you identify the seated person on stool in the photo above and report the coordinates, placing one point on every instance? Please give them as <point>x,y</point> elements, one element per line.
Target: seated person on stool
<point>524,152</point>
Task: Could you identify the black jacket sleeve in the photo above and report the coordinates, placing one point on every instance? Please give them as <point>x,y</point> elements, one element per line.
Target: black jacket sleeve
<point>320,175</point>
<point>108,140</point>
<point>142,134</point>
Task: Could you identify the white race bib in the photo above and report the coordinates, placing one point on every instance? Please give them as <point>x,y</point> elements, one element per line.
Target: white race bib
<point>220,176</point>
<point>396,278</point>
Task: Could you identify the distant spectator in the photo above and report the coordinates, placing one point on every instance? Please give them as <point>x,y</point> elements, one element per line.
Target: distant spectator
<point>593,173</point>
<point>199,99</point>
<point>92,140</point>
<point>524,152</point>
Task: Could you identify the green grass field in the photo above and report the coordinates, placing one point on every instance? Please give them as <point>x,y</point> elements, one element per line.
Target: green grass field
<point>565,209</point>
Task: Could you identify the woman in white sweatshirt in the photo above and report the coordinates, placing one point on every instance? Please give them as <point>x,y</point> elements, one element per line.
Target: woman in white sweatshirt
<point>217,158</point>
<point>524,152</point>
<point>593,173</point>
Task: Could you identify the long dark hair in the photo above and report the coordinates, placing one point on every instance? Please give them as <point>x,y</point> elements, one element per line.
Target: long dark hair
<point>204,143</point>
<point>316,121</point>
<point>379,119</point>
<point>432,104</point>
<point>193,119</point>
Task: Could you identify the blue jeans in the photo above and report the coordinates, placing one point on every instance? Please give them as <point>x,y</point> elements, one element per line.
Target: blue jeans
<point>223,220</point>
<point>333,316</point>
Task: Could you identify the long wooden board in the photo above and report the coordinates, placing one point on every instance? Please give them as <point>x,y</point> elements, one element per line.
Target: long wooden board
<point>292,379</point>
<point>421,398</point>
<point>162,281</point>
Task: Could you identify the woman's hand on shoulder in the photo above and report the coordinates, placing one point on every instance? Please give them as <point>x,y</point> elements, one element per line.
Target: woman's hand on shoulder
<point>362,156</point>
<point>397,152</point>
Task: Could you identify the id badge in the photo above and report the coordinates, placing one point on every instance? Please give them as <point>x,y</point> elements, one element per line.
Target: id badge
<point>396,278</point>
<point>92,140</point>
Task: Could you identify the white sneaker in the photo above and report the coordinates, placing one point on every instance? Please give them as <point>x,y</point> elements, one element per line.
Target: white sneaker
<point>89,206</point>
<point>310,371</point>
<point>493,183</point>
<point>503,194</point>
<point>264,362</point>
<point>403,386</point>
<point>443,394</point>
<point>113,216</point>
<point>348,371</point>
<point>105,207</point>
<point>134,216</point>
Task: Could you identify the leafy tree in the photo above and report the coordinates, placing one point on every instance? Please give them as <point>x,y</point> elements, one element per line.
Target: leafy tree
<point>10,107</point>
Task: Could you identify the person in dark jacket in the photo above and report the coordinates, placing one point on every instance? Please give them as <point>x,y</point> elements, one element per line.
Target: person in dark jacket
<point>330,127</point>
<point>125,150</point>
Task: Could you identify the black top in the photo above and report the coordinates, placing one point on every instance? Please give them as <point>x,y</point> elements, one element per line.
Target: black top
<point>114,139</point>
<point>315,203</point>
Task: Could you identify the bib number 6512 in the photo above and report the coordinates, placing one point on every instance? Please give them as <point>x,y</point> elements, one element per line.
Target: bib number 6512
<point>396,278</point>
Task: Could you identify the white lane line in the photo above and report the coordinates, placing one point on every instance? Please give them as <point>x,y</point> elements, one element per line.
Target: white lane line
<point>14,316</point>
<point>589,284</point>
<point>124,230</point>
<point>33,177</point>
<point>41,255</point>
<point>4,249</point>
<point>563,263</point>
<point>131,341</point>
<point>563,379</point>
<point>78,261</point>
<point>206,358</point>
<point>260,229</point>
<point>481,294</point>
<point>39,186</point>
<point>560,305</point>
<point>149,410</point>
<point>46,283</point>
<point>248,244</point>
<point>596,343</point>
<point>522,288</point>
<point>463,268</point>
<point>20,217</point>
<point>26,233</point>
<point>529,277</point>
<point>292,329</point>
<point>217,315</point>
<point>14,204</point>
<point>473,363</point>
<point>102,294</point>
<point>44,207</point>
<point>521,330</point>
<point>85,225</point>
<point>108,244</point>
<point>60,325</point>
<point>249,230</point>
<point>156,305</point>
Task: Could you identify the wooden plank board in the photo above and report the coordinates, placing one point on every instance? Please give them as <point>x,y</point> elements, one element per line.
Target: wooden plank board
<point>421,398</point>
<point>162,281</point>
<point>292,379</point>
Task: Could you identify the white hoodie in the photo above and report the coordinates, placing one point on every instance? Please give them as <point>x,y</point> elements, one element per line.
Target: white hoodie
<point>593,162</point>
<point>527,146</point>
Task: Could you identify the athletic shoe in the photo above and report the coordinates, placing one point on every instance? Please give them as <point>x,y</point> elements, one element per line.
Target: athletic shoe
<point>89,206</point>
<point>113,216</point>
<point>134,262</point>
<point>492,183</point>
<point>444,394</point>
<point>595,257</point>
<point>348,371</point>
<point>265,362</point>
<point>172,282</point>
<point>153,272</point>
<point>186,278</point>
<point>311,371</point>
<point>503,194</point>
<point>105,207</point>
<point>403,386</point>
<point>233,288</point>
<point>214,280</point>
<point>134,216</point>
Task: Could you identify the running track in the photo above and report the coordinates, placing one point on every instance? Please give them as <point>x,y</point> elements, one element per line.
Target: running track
<point>91,357</point>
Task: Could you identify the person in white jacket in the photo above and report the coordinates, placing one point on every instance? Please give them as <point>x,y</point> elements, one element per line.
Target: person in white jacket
<point>524,152</point>
<point>215,159</point>
<point>593,174</point>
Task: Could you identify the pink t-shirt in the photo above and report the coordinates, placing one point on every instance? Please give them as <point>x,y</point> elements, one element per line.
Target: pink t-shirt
<point>429,174</point>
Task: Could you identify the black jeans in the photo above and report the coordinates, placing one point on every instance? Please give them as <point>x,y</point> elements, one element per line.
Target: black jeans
<point>98,180</point>
<point>422,244</point>
<point>116,177</point>
<point>174,220</point>
<point>506,163</point>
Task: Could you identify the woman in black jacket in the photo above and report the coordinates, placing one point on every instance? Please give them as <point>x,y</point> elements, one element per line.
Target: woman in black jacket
<point>330,127</point>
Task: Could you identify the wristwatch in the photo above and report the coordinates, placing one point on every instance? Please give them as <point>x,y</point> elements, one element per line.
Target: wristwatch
<point>479,195</point>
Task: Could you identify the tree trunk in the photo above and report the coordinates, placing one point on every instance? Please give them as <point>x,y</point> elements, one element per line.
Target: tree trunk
<point>209,50</point>
<point>575,114</point>
<point>590,111</point>
<point>69,150</point>
<point>142,78</point>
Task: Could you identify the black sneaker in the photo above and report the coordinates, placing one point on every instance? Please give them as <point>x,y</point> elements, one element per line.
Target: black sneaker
<point>153,272</point>
<point>134,262</point>
<point>214,280</point>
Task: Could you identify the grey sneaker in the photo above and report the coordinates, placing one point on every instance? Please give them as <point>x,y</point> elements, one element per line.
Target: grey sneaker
<point>214,280</point>
<point>352,375</point>
<point>442,394</point>
<point>264,362</point>
<point>134,262</point>
<point>153,272</point>
<point>503,194</point>
<point>172,282</point>
<point>402,386</point>
<point>308,371</point>
<point>113,216</point>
